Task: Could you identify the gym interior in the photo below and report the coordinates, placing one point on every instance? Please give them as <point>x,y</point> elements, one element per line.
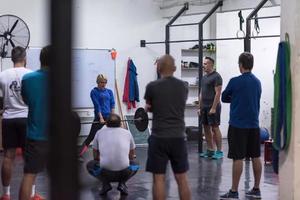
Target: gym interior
<point>114,37</point>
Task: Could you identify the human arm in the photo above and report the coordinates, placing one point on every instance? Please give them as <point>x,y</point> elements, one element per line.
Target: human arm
<point>132,148</point>
<point>218,90</point>
<point>97,106</point>
<point>112,102</point>
<point>132,154</point>
<point>148,98</point>
<point>23,92</point>
<point>227,93</point>
<point>96,154</point>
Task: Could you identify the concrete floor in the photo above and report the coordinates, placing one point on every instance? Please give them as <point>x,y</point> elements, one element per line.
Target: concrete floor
<point>208,179</point>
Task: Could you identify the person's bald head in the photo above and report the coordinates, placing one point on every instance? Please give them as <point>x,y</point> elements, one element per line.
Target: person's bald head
<point>166,65</point>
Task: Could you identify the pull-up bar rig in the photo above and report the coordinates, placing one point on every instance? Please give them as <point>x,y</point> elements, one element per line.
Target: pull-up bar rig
<point>247,41</point>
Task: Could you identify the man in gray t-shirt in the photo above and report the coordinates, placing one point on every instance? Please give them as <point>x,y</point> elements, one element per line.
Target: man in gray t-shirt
<point>210,109</point>
<point>166,99</point>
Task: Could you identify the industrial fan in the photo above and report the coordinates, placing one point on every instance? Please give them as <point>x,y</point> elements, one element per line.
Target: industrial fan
<point>13,32</point>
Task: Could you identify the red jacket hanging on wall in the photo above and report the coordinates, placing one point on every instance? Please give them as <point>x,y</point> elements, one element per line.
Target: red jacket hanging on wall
<point>131,89</point>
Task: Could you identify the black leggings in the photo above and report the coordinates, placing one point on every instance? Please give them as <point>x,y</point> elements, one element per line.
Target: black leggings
<point>95,127</point>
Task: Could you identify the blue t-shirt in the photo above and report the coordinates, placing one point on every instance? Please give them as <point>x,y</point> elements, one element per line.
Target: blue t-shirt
<point>35,94</point>
<point>103,100</point>
<point>243,93</point>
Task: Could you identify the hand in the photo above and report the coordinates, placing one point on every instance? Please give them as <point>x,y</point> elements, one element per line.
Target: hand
<point>212,111</point>
<point>148,108</point>
<point>102,121</point>
<point>199,111</point>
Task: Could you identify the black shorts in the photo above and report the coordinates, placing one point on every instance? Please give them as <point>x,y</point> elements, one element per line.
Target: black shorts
<point>243,142</point>
<point>161,150</point>
<point>14,133</point>
<point>36,154</point>
<point>211,120</point>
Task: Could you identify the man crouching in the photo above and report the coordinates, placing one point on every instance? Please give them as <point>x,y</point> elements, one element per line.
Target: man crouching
<point>113,156</point>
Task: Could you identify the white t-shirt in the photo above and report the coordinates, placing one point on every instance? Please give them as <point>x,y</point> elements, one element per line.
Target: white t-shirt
<point>114,145</point>
<point>10,85</point>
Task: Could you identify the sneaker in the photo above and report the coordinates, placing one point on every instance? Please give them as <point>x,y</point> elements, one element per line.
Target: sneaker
<point>207,154</point>
<point>105,188</point>
<point>123,189</point>
<point>230,195</point>
<point>203,154</point>
<point>5,197</point>
<point>37,197</point>
<point>254,193</point>
<point>218,155</point>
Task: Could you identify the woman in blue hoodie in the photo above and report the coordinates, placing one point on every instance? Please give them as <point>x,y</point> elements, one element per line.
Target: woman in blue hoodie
<point>104,104</point>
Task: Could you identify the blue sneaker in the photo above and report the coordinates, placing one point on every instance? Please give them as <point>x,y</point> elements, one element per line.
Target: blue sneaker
<point>218,155</point>
<point>230,195</point>
<point>207,154</point>
<point>203,154</point>
<point>254,193</point>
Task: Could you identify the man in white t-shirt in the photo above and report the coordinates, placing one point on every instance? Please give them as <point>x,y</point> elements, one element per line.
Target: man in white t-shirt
<point>113,156</point>
<point>14,115</point>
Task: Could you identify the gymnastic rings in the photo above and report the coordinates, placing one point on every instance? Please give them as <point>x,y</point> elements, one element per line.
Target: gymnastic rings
<point>240,34</point>
<point>255,33</point>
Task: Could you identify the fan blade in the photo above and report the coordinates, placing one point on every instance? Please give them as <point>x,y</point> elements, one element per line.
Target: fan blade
<point>14,26</point>
<point>12,43</point>
<point>1,35</point>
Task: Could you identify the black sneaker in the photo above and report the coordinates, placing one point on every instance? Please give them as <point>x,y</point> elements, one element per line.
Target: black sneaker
<point>123,189</point>
<point>105,188</point>
<point>254,193</point>
<point>230,195</point>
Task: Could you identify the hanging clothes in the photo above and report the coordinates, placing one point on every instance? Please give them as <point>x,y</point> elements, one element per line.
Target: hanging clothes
<point>131,88</point>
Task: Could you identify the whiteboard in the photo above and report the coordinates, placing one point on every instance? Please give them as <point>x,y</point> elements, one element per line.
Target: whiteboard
<point>33,58</point>
<point>86,65</point>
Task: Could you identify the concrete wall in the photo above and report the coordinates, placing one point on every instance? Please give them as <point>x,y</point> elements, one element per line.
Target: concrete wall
<point>289,173</point>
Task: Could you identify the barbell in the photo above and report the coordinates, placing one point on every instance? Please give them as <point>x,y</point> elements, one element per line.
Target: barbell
<point>141,120</point>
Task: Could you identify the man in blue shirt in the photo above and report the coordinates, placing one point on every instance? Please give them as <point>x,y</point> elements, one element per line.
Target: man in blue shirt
<point>243,93</point>
<point>35,94</point>
<point>104,104</point>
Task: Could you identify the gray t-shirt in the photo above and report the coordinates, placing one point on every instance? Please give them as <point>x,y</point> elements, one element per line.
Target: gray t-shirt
<point>167,97</point>
<point>208,84</point>
<point>114,145</point>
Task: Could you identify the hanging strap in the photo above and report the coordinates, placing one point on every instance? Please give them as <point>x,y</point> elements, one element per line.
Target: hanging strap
<point>241,20</point>
<point>282,98</point>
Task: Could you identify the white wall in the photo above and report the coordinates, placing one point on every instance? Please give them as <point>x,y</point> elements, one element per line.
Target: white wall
<point>289,174</point>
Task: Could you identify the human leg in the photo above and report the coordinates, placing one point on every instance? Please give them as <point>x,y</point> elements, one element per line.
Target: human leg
<point>183,186</point>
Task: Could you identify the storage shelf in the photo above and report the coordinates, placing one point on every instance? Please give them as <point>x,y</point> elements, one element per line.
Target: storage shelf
<point>190,105</point>
<point>193,86</point>
<point>195,51</point>
<point>189,68</point>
